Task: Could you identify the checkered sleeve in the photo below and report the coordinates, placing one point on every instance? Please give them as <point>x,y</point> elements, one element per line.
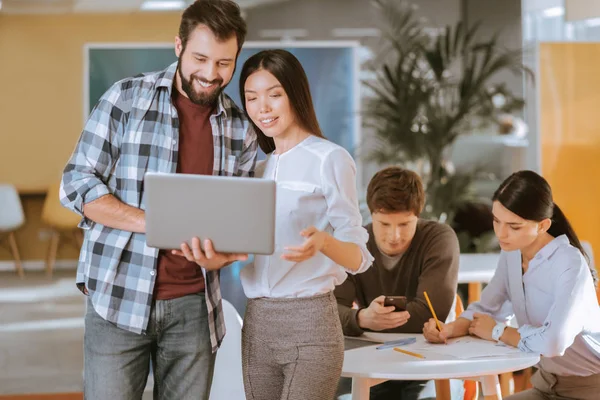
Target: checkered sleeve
<point>87,171</point>
<point>249,150</point>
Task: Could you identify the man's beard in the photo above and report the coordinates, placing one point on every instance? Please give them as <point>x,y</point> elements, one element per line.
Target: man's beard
<point>201,98</point>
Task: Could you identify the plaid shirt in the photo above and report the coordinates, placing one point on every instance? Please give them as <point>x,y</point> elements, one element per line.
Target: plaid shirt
<point>134,129</point>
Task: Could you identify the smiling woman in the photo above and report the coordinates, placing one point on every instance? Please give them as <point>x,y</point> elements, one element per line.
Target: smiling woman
<point>274,85</point>
<point>292,344</point>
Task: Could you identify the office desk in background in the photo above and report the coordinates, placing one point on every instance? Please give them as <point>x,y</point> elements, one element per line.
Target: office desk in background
<point>476,269</point>
<point>368,367</point>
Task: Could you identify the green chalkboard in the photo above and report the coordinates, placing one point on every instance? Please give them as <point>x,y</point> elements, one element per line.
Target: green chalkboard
<point>109,65</point>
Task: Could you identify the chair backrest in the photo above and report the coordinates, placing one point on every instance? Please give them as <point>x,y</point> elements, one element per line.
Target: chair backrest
<point>459,307</point>
<point>11,209</point>
<point>228,382</point>
<point>54,214</point>
<point>456,309</point>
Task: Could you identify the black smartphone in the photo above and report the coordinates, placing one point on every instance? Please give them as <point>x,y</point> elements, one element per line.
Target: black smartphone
<point>397,301</point>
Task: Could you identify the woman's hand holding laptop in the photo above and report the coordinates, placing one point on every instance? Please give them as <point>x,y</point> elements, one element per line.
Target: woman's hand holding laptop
<point>208,259</point>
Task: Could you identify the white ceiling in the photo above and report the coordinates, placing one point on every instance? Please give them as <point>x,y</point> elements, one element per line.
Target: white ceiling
<point>91,6</point>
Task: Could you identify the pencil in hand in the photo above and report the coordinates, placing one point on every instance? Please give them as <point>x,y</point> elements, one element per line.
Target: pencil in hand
<point>437,322</point>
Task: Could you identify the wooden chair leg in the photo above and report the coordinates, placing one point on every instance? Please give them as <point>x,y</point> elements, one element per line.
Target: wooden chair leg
<point>471,390</point>
<point>442,389</point>
<point>527,378</point>
<point>519,381</point>
<point>52,253</point>
<point>474,292</point>
<point>506,384</point>
<point>12,242</point>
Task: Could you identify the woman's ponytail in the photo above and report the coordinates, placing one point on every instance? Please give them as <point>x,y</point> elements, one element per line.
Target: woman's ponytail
<point>561,226</point>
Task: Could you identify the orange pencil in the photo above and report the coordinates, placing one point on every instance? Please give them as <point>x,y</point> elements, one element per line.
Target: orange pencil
<point>433,312</point>
<point>410,353</point>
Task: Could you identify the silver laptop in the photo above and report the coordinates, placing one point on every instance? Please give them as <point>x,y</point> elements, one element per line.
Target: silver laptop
<point>237,214</point>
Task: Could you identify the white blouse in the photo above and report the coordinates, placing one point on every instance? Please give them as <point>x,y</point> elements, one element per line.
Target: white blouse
<point>316,186</point>
<point>555,306</point>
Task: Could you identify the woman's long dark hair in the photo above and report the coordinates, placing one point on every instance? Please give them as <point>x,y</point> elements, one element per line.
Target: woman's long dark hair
<point>529,195</point>
<point>289,72</point>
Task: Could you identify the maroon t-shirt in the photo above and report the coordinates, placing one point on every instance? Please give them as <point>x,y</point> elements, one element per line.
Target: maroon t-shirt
<point>176,276</point>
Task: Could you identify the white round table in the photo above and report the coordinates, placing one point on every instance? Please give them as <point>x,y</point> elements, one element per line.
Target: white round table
<point>368,367</point>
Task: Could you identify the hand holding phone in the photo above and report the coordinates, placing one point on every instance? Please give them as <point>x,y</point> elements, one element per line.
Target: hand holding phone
<point>381,315</point>
<point>399,302</point>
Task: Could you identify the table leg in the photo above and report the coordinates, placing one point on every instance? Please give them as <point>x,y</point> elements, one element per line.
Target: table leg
<point>474,292</point>
<point>527,379</point>
<point>490,387</point>
<point>442,389</point>
<point>361,386</point>
<point>507,385</point>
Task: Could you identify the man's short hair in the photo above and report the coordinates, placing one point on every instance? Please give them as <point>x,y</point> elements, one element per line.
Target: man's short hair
<point>396,189</point>
<point>223,18</point>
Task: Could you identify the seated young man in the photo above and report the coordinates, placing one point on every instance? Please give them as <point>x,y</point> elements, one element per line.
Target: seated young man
<point>412,256</point>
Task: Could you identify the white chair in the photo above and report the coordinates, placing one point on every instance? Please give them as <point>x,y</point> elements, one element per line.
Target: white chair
<point>452,315</point>
<point>11,219</point>
<point>228,380</point>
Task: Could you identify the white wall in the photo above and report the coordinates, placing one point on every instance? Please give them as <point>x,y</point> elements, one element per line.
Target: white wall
<point>319,17</point>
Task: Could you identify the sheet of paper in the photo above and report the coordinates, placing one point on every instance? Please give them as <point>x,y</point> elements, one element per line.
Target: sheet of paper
<point>466,348</point>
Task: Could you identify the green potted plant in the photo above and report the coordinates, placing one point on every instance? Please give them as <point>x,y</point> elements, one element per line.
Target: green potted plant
<point>429,89</point>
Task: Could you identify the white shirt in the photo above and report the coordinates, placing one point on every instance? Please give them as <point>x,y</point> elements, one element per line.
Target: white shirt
<point>316,186</point>
<point>555,306</point>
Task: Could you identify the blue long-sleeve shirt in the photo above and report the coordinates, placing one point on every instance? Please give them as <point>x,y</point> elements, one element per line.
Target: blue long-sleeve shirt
<point>555,306</point>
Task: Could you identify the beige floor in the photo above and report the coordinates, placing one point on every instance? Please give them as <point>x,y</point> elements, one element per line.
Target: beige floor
<point>41,330</point>
<point>41,334</point>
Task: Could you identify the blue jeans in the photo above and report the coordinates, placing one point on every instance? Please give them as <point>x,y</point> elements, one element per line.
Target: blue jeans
<point>117,362</point>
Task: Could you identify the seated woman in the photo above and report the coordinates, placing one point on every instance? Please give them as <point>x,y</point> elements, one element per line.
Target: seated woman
<point>543,272</point>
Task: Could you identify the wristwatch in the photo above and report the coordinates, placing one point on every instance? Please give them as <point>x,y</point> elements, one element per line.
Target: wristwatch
<point>498,330</point>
